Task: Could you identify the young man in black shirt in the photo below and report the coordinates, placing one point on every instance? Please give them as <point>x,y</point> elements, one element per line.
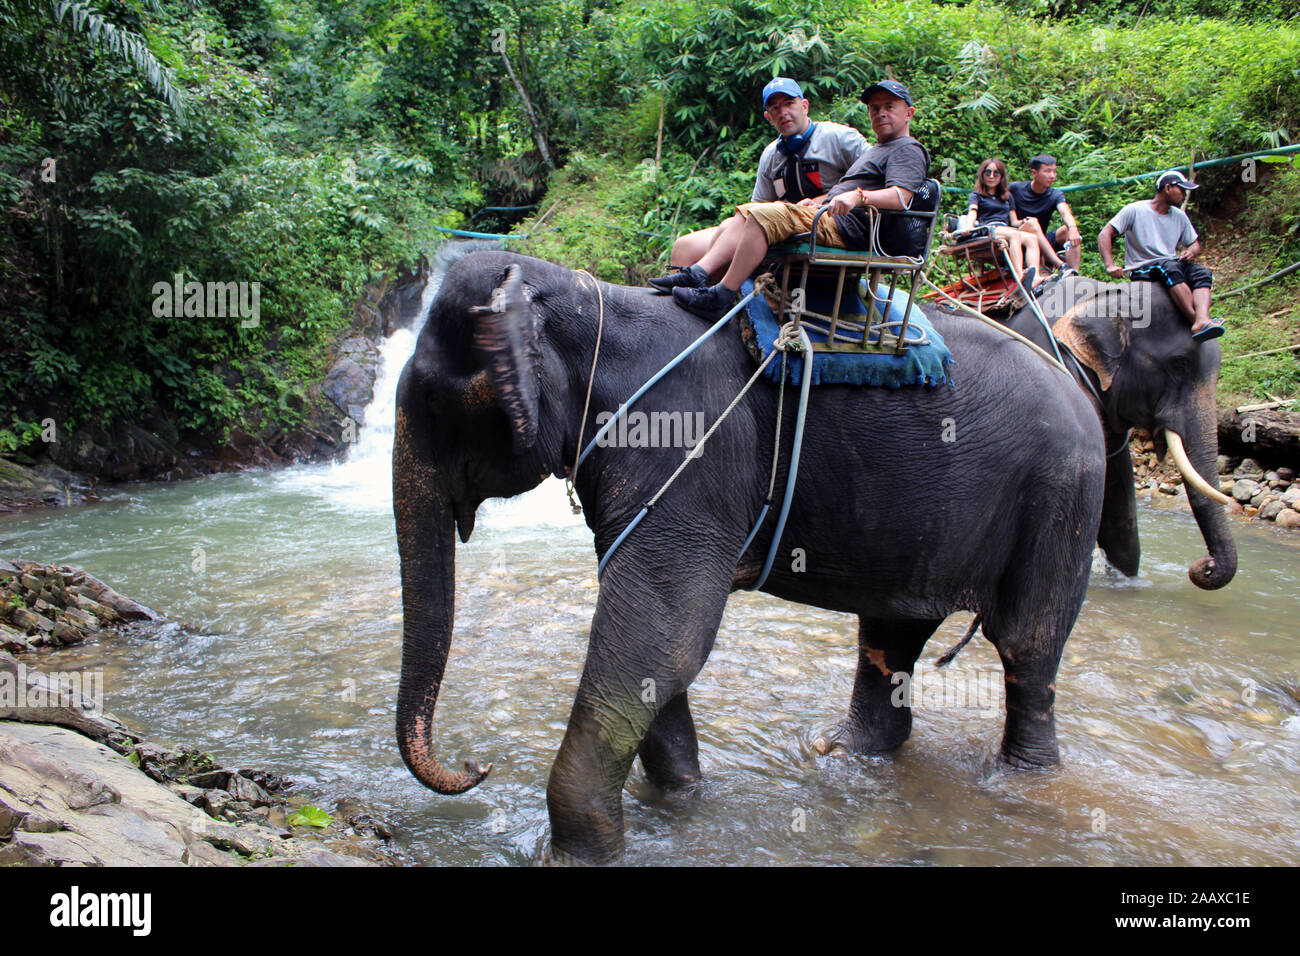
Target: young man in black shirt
<point>1035,201</point>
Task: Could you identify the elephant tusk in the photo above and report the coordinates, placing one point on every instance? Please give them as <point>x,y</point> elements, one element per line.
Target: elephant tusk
<point>1190,474</point>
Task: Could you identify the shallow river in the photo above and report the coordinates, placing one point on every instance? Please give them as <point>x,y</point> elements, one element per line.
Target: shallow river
<point>1177,709</point>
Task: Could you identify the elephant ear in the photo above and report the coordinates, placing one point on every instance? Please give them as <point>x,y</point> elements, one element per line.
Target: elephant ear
<point>1097,334</point>
<point>506,344</point>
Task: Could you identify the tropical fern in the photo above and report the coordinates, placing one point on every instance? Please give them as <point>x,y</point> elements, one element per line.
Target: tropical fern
<point>128,46</point>
<point>985,101</point>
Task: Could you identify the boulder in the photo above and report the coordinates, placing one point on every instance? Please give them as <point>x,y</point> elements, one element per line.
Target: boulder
<point>1245,488</point>
<point>1271,510</point>
<point>66,800</point>
<point>1288,519</point>
<point>1249,468</point>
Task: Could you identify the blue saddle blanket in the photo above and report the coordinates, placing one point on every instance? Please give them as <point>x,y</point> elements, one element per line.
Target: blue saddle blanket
<point>921,364</point>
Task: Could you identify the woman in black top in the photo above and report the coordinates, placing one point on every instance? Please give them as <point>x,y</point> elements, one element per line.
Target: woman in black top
<point>991,205</point>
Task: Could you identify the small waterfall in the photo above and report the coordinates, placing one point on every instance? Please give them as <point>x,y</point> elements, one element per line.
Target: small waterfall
<point>364,481</point>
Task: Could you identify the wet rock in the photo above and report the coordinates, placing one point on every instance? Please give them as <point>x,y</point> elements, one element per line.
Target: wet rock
<point>1249,468</point>
<point>66,634</point>
<point>12,640</point>
<point>1286,474</point>
<point>40,698</point>
<point>1262,498</point>
<point>1221,465</point>
<point>70,801</point>
<point>1271,510</point>
<point>1291,496</point>
<point>1250,511</point>
<point>1288,519</point>
<point>1226,483</point>
<point>1166,488</point>
<point>30,621</point>
<point>1245,488</point>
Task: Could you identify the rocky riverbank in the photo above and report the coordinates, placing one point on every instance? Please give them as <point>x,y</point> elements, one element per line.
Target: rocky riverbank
<point>1264,494</point>
<point>78,787</point>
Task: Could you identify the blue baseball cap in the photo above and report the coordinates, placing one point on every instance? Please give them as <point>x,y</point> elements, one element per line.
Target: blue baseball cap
<point>782,84</point>
<point>892,87</point>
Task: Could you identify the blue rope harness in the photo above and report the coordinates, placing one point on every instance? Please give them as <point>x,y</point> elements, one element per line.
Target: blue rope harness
<point>804,390</point>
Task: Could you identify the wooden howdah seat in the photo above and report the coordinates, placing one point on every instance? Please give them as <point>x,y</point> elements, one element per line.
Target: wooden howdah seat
<point>983,275</point>
<point>900,249</point>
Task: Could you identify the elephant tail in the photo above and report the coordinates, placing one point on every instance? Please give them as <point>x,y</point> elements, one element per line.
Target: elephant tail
<point>956,648</point>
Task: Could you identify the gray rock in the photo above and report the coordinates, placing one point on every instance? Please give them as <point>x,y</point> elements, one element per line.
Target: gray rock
<point>1262,498</point>
<point>1272,509</point>
<point>1286,474</point>
<point>348,384</point>
<point>70,801</point>
<point>1291,495</point>
<point>1244,489</point>
<point>1249,468</point>
<point>30,621</point>
<point>1221,465</point>
<point>1288,519</point>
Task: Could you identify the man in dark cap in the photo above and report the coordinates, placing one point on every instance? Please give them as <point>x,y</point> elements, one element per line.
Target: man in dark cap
<point>800,166</point>
<point>1153,230</point>
<point>885,177</point>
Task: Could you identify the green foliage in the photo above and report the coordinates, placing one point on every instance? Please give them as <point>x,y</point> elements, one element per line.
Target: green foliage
<point>310,816</point>
<point>307,145</point>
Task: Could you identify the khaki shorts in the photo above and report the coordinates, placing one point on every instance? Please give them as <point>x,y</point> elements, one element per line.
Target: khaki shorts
<point>781,220</point>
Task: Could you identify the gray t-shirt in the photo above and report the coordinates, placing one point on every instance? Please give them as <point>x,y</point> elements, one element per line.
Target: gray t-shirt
<point>1149,236</point>
<point>834,148</point>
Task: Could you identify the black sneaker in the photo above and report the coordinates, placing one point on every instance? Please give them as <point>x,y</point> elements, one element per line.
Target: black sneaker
<point>692,277</point>
<point>712,302</point>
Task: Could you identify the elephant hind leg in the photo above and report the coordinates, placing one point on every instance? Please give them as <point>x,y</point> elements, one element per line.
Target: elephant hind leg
<point>670,752</point>
<point>880,713</point>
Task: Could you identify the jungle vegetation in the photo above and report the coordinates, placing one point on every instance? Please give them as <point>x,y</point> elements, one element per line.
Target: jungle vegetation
<point>312,145</point>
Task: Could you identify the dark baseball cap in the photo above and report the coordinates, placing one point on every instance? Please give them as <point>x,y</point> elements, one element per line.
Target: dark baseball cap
<point>1174,178</point>
<point>1042,159</point>
<point>781,84</point>
<point>892,87</point>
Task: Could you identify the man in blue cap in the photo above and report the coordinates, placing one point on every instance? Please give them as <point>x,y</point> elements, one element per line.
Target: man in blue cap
<point>885,177</point>
<point>1153,230</point>
<point>799,166</point>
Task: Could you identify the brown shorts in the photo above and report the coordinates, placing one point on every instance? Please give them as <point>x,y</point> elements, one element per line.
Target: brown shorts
<point>781,220</point>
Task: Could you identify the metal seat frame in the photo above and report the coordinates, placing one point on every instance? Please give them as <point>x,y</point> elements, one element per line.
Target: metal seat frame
<point>843,334</point>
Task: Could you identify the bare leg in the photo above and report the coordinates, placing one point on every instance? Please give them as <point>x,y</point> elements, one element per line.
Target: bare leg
<point>1047,253</point>
<point>723,250</point>
<point>750,247</point>
<point>1182,297</point>
<point>690,248</point>
<point>1073,255</point>
<point>1201,304</point>
<point>1015,248</point>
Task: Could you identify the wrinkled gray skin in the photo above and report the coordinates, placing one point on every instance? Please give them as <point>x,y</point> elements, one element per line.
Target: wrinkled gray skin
<point>897,525</point>
<point>1140,355</point>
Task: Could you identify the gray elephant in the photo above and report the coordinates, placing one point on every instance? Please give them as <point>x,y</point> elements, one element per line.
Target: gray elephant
<point>1143,370</point>
<point>910,504</point>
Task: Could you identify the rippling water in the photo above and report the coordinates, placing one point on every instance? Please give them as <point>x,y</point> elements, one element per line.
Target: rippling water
<point>1177,709</point>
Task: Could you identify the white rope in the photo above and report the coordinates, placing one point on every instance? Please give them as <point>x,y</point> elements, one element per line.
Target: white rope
<point>789,335</point>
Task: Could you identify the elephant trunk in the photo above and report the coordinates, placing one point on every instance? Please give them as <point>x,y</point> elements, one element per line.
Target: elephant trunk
<point>1198,469</point>
<point>424,539</point>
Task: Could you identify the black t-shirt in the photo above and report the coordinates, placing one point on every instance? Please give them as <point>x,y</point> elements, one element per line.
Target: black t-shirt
<point>1039,205</point>
<point>990,208</point>
<point>901,162</point>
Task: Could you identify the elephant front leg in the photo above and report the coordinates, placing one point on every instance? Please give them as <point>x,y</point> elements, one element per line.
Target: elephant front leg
<point>1118,531</point>
<point>670,753</point>
<point>880,713</point>
<point>584,794</point>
